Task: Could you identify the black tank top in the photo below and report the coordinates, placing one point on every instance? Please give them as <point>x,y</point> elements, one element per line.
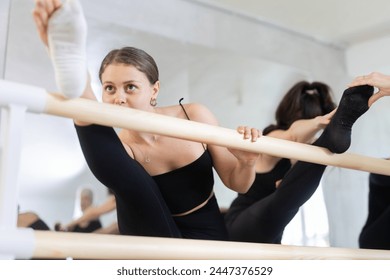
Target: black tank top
<point>379,180</point>
<point>265,183</point>
<point>189,186</point>
<point>263,186</point>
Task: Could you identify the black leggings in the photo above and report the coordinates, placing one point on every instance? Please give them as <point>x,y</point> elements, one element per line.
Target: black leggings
<point>376,231</point>
<point>141,209</point>
<point>264,220</point>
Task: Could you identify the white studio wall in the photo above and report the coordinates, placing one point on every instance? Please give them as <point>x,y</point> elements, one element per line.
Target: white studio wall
<point>369,56</point>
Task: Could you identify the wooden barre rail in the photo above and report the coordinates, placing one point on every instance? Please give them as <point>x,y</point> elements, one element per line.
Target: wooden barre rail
<point>61,245</point>
<point>116,116</point>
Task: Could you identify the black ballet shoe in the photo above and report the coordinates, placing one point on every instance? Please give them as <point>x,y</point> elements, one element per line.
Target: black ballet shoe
<point>353,104</point>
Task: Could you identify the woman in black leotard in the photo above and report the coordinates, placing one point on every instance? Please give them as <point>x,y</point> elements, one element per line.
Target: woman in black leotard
<point>163,186</point>
<point>261,214</point>
<point>375,233</point>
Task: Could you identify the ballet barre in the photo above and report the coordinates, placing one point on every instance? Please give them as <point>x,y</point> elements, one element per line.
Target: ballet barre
<point>30,244</point>
<point>38,100</point>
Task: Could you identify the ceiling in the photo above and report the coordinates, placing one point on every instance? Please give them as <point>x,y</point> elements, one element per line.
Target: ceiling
<point>342,23</point>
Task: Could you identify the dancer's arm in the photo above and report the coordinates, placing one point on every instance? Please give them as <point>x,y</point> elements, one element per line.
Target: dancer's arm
<point>375,79</point>
<point>236,168</point>
<point>303,131</point>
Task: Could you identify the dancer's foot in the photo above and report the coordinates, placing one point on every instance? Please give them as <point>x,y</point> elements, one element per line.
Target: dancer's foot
<point>67,35</point>
<point>354,103</point>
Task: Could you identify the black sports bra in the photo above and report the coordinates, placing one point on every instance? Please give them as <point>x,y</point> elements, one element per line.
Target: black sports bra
<point>265,183</point>
<point>189,186</point>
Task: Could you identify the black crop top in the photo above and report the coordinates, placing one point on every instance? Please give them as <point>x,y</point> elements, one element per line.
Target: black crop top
<point>379,180</point>
<point>265,183</point>
<point>189,186</point>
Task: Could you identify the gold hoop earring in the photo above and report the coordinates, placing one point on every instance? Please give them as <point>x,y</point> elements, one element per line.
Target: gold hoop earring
<point>153,102</point>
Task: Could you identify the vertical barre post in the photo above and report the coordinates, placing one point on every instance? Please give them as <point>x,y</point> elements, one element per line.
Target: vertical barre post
<point>12,120</point>
<point>15,99</point>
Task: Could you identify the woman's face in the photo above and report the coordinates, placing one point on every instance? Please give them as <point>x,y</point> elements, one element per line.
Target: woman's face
<point>85,201</point>
<point>125,85</point>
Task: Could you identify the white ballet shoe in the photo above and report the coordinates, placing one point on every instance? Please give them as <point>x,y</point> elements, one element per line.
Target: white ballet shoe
<point>67,36</point>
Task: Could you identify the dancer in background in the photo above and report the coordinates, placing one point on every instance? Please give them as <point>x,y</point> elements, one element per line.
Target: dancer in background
<point>31,220</point>
<point>375,233</point>
<point>93,213</point>
<point>305,109</point>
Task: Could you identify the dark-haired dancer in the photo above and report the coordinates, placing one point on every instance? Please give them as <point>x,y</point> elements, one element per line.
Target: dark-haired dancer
<point>279,190</point>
